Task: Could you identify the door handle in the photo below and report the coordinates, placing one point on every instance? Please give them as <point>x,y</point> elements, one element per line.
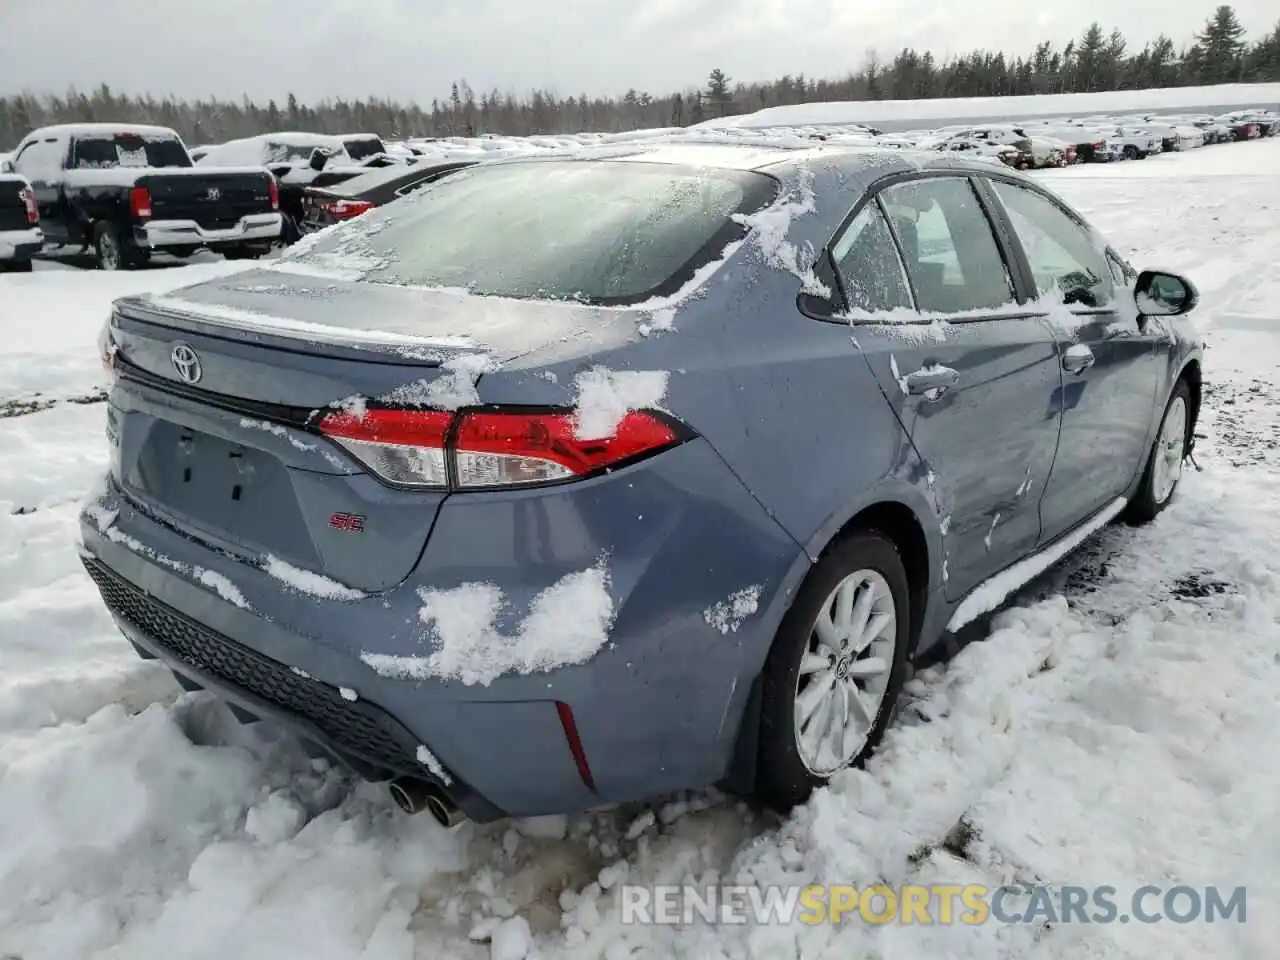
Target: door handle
<point>1077,359</point>
<point>931,378</point>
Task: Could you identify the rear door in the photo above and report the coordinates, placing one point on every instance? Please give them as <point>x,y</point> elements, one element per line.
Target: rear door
<point>973,380</point>
<point>1110,357</point>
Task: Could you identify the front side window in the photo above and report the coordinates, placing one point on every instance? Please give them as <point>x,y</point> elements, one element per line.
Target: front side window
<point>39,161</point>
<point>593,231</point>
<point>950,251</point>
<point>867,263</point>
<point>1063,255</point>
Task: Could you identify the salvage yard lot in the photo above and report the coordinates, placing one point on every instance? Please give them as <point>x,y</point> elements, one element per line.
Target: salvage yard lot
<point>1118,727</point>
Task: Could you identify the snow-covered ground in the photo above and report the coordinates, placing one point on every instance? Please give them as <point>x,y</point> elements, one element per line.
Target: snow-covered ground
<point>1120,727</point>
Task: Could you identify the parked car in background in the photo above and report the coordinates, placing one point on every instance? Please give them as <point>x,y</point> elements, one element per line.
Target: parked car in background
<point>20,234</point>
<point>1242,122</point>
<point>297,160</point>
<point>1002,153</point>
<point>1136,142</point>
<point>1092,146</point>
<point>1052,152</point>
<point>325,206</point>
<point>126,191</point>
<point>471,524</point>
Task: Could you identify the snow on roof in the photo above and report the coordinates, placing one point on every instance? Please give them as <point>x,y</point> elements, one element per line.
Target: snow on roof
<point>102,129</point>
<point>883,113</point>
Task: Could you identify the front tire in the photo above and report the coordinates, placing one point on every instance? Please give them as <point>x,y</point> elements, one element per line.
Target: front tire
<point>1164,463</point>
<point>15,266</point>
<point>1131,152</point>
<point>835,670</point>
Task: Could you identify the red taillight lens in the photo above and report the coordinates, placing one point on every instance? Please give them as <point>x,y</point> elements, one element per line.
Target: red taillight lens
<point>140,202</point>
<point>490,448</point>
<point>346,209</point>
<point>273,192</point>
<point>498,449</point>
<point>1100,145</point>
<point>29,201</point>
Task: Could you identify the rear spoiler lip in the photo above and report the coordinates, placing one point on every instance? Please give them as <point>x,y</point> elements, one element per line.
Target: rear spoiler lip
<point>406,351</point>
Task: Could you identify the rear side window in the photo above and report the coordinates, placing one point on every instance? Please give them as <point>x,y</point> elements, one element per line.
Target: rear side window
<point>867,263</point>
<point>129,150</point>
<point>592,231</point>
<point>950,251</point>
<point>1063,255</point>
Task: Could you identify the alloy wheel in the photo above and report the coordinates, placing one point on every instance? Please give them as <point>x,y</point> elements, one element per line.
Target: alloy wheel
<point>844,674</point>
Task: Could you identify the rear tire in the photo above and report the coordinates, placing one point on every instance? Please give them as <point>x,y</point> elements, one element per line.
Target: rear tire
<point>1131,152</point>
<point>111,252</point>
<point>15,266</point>
<point>849,700</point>
<point>1164,462</point>
<point>242,253</point>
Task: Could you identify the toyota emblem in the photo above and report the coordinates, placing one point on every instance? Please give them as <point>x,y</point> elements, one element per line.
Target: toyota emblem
<point>186,362</point>
<point>214,194</point>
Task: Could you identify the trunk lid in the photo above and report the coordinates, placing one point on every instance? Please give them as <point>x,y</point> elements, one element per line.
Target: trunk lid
<point>215,199</point>
<point>227,452</point>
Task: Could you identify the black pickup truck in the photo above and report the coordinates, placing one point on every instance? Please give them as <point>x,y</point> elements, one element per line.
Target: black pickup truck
<point>20,235</point>
<point>126,191</point>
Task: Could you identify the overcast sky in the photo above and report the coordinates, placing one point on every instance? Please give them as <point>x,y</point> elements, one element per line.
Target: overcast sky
<point>413,49</point>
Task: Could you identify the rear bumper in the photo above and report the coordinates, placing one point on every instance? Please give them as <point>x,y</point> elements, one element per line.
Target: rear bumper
<point>20,244</point>
<point>658,709</point>
<point>184,233</point>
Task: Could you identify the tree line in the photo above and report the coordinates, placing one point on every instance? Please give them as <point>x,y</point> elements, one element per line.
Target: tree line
<point>1098,60</point>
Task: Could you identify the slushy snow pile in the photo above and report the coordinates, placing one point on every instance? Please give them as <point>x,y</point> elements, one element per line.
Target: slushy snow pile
<point>567,623</point>
<point>605,397</point>
<point>1117,726</point>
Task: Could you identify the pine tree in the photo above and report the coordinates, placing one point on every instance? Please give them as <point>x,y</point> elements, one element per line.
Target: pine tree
<point>1221,47</point>
<point>717,96</point>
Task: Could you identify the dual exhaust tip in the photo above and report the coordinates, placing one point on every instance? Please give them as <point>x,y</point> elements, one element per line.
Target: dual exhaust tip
<point>413,796</point>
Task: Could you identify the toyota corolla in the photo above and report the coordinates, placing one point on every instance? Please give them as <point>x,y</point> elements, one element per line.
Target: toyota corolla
<point>566,482</point>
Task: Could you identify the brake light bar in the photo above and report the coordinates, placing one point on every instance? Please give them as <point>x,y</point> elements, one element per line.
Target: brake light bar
<point>273,191</point>
<point>492,448</point>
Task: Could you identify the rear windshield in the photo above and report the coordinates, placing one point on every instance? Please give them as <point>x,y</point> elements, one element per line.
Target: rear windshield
<point>284,152</point>
<point>130,150</point>
<point>364,147</point>
<point>592,231</point>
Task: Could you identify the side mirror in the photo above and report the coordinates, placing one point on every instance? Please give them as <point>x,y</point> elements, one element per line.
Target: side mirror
<point>1161,294</point>
<point>6,166</point>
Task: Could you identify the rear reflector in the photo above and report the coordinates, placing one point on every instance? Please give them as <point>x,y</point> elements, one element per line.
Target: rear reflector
<point>491,448</point>
<point>570,727</point>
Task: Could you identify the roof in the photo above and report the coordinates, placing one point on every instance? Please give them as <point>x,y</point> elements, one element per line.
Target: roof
<point>98,129</point>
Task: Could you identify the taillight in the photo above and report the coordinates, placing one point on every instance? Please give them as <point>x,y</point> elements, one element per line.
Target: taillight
<point>29,201</point>
<point>346,209</point>
<point>273,192</point>
<point>1100,145</point>
<point>140,202</point>
<point>401,446</point>
<point>491,448</point>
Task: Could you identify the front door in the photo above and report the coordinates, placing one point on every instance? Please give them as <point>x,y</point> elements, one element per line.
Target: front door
<point>1110,358</point>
